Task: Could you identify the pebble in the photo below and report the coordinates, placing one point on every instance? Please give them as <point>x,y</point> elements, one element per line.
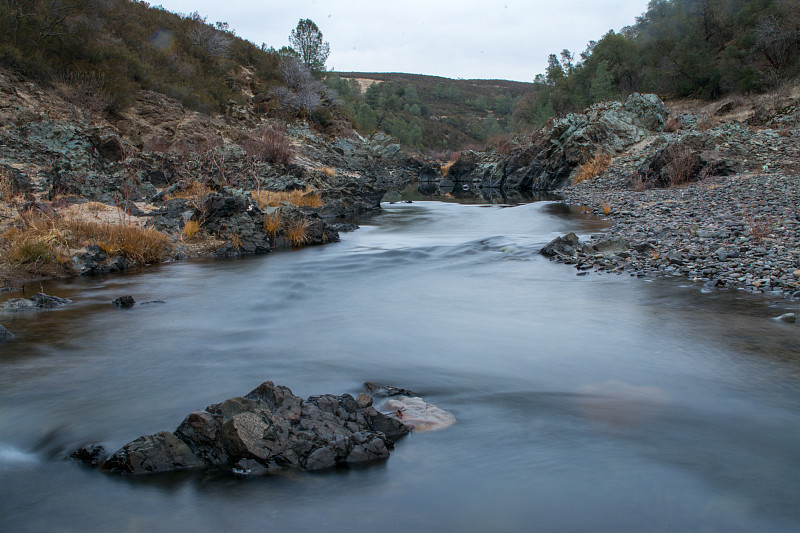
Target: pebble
<point>740,231</point>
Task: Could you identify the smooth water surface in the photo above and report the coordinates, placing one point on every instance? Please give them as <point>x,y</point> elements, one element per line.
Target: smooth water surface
<point>596,403</point>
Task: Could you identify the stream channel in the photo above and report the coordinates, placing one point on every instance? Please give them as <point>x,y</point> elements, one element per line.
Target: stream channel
<point>600,403</point>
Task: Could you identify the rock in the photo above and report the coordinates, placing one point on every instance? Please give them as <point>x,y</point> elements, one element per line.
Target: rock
<point>161,452</point>
<point>566,246</point>
<point>91,455</point>
<point>45,301</point>
<point>232,214</point>
<point>385,390</point>
<point>39,301</point>
<point>268,429</point>
<point>787,317</point>
<point>391,196</point>
<point>5,335</point>
<point>124,302</point>
<point>558,149</point>
<point>419,415</point>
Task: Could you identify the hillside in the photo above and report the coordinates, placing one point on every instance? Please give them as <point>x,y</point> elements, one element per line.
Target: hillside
<point>429,113</point>
<point>678,48</point>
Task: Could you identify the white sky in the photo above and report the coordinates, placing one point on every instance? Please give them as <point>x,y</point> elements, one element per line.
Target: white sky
<point>484,39</point>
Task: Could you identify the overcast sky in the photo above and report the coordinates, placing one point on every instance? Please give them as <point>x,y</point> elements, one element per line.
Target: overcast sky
<point>487,39</point>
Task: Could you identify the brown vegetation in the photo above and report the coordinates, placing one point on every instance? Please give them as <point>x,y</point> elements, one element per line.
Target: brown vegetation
<point>39,239</point>
<point>301,198</point>
<point>593,168</point>
<point>269,145</point>
<point>297,232</point>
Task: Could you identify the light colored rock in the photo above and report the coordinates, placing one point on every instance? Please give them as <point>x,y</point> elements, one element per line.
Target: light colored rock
<point>419,415</point>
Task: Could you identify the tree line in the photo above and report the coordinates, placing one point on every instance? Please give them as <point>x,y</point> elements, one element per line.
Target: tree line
<point>677,48</point>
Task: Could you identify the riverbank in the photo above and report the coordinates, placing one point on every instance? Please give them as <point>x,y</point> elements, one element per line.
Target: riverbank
<point>740,231</point>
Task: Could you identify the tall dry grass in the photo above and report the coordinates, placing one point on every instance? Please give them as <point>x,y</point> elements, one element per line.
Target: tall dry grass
<point>39,239</point>
<point>593,168</point>
<point>300,198</point>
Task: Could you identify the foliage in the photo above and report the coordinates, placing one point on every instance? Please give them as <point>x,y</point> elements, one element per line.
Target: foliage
<point>427,112</point>
<point>679,48</point>
<point>269,145</point>
<point>306,40</point>
<point>102,51</point>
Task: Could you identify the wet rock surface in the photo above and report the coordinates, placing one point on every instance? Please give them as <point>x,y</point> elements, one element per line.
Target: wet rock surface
<point>38,301</point>
<point>5,335</point>
<point>268,429</point>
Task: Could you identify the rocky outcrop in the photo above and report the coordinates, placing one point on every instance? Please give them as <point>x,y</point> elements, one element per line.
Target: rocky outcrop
<point>269,428</point>
<point>558,149</point>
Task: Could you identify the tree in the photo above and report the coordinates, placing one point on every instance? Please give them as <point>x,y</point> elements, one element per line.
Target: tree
<point>306,40</point>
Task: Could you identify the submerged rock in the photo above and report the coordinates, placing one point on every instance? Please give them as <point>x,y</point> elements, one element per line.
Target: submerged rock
<point>787,317</point>
<point>5,335</point>
<point>124,302</point>
<point>268,429</point>
<point>39,301</point>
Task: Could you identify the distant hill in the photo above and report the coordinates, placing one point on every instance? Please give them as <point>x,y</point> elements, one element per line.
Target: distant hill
<point>429,113</point>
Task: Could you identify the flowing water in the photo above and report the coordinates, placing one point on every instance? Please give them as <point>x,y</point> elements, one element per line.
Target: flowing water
<point>595,403</point>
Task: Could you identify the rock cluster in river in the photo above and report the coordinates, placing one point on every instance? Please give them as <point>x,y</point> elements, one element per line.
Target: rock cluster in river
<point>267,429</point>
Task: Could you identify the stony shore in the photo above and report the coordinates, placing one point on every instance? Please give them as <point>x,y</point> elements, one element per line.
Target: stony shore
<point>740,231</point>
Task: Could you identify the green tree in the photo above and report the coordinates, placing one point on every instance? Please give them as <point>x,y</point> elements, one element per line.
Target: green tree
<point>306,40</point>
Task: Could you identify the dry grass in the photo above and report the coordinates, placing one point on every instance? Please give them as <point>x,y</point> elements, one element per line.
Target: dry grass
<point>305,198</point>
<point>593,168</point>
<point>297,233</point>
<point>446,167</point>
<point>195,191</point>
<point>328,171</point>
<point>6,185</point>
<point>272,222</point>
<point>37,239</point>
<point>191,228</point>
<point>706,122</point>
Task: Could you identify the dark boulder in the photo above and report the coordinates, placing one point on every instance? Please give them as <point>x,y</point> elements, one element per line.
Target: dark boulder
<point>567,246</point>
<point>124,302</point>
<point>231,214</point>
<point>269,428</point>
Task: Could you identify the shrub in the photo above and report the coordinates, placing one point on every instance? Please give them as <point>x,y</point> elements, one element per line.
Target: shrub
<point>682,164</point>
<point>593,168</point>
<point>673,125</point>
<point>269,145</point>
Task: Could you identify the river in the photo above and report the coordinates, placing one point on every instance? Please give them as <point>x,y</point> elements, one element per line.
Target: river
<point>584,403</point>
